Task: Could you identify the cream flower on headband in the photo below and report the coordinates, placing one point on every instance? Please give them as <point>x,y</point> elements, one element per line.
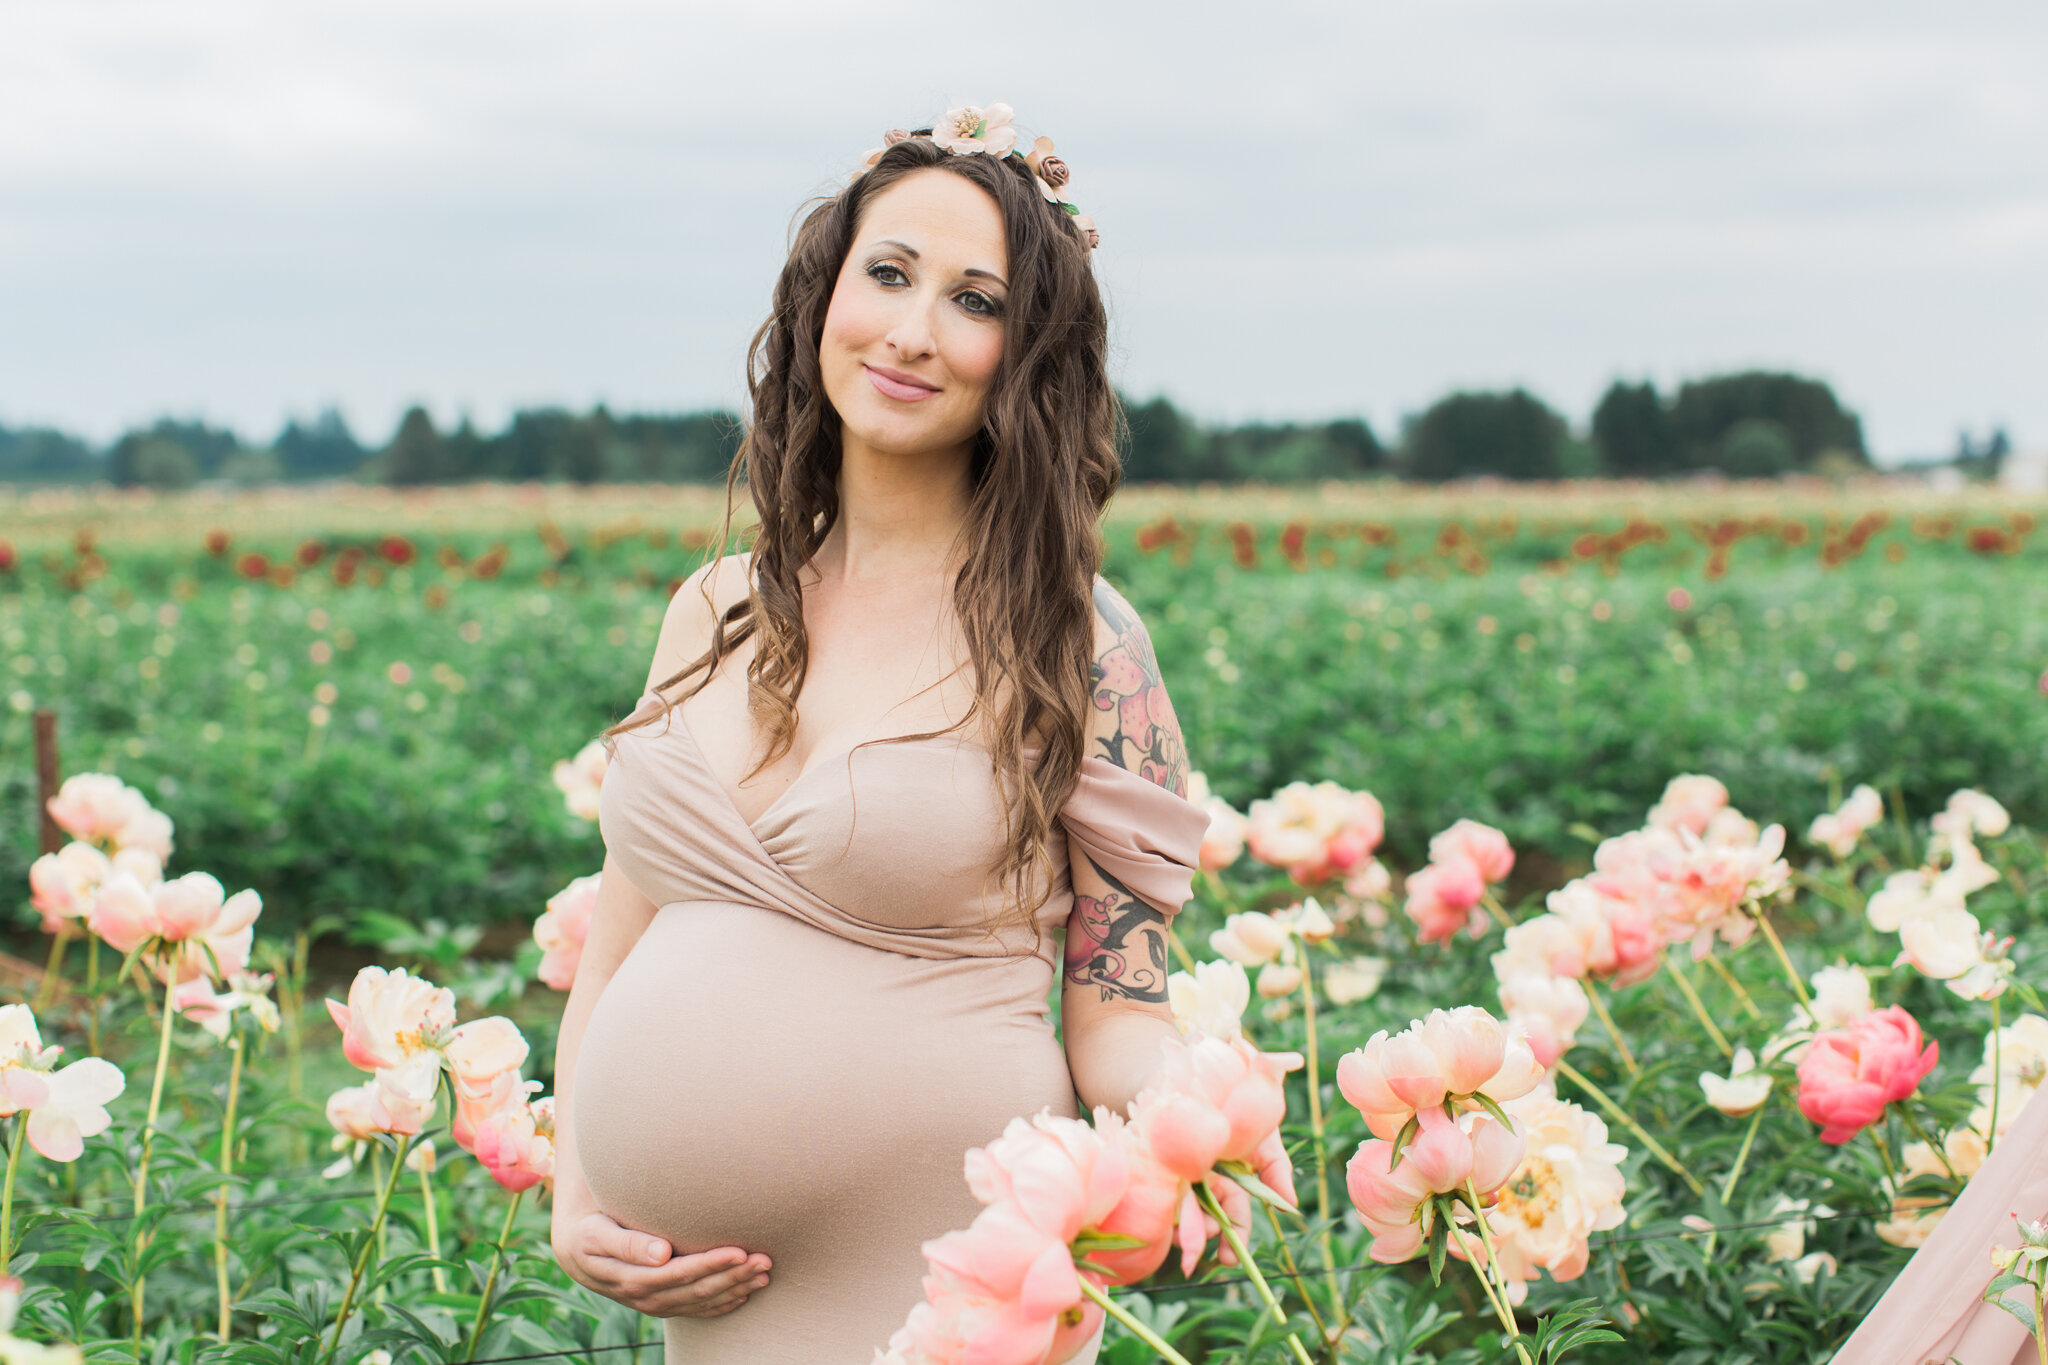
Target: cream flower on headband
<point>972,130</point>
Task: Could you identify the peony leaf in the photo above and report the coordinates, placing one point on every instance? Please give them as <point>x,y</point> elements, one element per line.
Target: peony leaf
<point>1401,1140</point>
<point>1255,1186</point>
<point>2025,1315</point>
<point>1439,1243</point>
<point>1091,1241</point>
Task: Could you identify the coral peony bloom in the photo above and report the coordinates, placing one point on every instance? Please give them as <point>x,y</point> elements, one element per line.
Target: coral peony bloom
<point>196,928</point>
<point>1444,1156</point>
<point>1214,1100</point>
<point>1690,802</point>
<point>214,1010</point>
<point>517,1144</point>
<point>1848,1076</point>
<point>561,929</point>
<point>1485,847</point>
<point>1742,1091</point>
<point>1147,1207</point>
<point>1251,939</point>
<point>999,1292</point>
<point>1454,1054</point>
<point>392,1016</point>
<point>1444,897</point>
<point>1279,978</point>
<point>1316,832</point>
<point>1212,1000</point>
<point>1353,979</point>
<point>581,779</point>
<point>1060,1172</point>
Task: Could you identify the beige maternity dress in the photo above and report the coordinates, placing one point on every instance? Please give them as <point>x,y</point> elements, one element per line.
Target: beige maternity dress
<point>1934,1312</point>
<point>819,1021</point>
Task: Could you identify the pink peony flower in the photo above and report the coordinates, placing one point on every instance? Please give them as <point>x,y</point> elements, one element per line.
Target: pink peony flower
<point>517,1144</point>
<point>1223,843</point>
<point>561,929</point>
<point>391,1016</point>
<point>483,1058</point>
<point>358,1112</point>
<point>64,1107</point>
<point>61,884</point>
<point>1146,1208</point>
<point>1251,939</point>
<point>1370,881</point>
<point>196,929</point>
<point>1549,1010</point>
<point>1839,830</point>
<point>1485,847</point>
<point>1444,898</point>
<point>1690,802</point>
<point>1452,1055</point>
<point>1849,1075</point>
<point>1000,1292</point>
<point>101,809</point>
<point>581,779</point>
<point>1213,1101</point>
<point>1059,1171</point>
<point>1567,1186</point>
<point>1443,1157</point>
<point>1315,832</point>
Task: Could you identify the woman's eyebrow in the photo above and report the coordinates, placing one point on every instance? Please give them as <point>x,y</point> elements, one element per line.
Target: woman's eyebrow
<point>911,251</point>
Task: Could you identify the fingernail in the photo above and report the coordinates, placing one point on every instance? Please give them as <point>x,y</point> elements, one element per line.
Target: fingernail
<point>654,1253</point>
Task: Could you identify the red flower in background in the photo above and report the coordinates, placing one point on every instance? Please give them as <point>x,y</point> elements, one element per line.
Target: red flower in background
<point>216,542</point>
<point>6,557</point>
<point>311,552</point>
<point>397,549</point>
<point>252,566</point>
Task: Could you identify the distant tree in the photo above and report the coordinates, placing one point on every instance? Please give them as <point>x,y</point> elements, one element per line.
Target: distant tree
<point>1982,459</point>
<point>205,448</point>
<point>1756,448</point>
<point>1706,410</point>
<point>1632,432</point>
<point>1164,446</point>
<point>1358,449</point>
<point>325,449</point>
<point>417,454</point>
<point>1511,434</point>
<point>160,462</point>
<point>464,458</point>
<point>44,455</point>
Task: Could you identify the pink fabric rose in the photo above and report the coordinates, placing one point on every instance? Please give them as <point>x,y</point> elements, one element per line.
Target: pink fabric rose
<point>1849,1075</point>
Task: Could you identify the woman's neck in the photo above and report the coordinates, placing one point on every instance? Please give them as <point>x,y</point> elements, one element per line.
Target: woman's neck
<point>900,516</point>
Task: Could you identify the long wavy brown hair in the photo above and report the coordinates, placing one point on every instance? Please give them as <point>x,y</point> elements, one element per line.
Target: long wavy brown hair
<point>1044,465</point>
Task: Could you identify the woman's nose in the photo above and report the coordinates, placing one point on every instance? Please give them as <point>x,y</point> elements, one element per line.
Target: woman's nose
<point>911,336</point>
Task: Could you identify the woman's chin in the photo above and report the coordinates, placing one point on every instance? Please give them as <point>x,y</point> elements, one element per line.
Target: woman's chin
<point>902,437</point>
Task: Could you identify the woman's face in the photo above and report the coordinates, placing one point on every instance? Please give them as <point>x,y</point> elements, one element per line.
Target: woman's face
<point>914,331</point>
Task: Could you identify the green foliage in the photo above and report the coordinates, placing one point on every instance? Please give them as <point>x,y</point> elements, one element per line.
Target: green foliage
<point>1511,435</point>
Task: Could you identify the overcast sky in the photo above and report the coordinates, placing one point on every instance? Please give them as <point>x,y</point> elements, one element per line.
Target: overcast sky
<point>248,210</point>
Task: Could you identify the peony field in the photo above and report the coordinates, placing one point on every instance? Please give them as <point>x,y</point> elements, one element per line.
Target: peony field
<point>1619,934</point>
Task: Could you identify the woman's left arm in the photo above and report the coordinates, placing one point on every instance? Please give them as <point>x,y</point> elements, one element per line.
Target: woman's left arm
<point>1113,1005</point>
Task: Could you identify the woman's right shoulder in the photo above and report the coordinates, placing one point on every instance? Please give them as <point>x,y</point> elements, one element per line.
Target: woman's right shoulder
<point>694,610</point>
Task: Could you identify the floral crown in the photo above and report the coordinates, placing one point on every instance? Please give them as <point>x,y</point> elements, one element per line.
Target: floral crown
<point>974,131</point>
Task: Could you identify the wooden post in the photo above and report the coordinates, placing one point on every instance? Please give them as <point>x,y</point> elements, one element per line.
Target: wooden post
<point>47,777</point>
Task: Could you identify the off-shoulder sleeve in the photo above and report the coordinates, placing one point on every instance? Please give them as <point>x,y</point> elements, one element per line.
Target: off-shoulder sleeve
<point>1145,836</point>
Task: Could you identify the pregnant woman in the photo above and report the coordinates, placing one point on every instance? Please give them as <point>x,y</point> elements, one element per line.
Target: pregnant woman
<point>880,762</point>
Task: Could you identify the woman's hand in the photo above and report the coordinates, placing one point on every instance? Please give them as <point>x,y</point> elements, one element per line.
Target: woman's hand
<point>642,1271</point>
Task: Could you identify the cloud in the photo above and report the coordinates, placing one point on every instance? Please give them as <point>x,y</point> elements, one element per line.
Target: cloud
<point>247,209</point>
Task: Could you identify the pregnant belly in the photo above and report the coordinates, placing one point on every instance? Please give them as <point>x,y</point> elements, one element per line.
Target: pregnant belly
<point>749,1080</point>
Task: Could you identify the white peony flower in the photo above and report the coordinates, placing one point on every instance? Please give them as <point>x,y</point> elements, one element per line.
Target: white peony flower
<point>1251,939</point>
<point>1210,1001</point>
<point>1742,1091</point>
<point>1353,979</point>
<point>1279,978</point>
<point>1568,1186</point>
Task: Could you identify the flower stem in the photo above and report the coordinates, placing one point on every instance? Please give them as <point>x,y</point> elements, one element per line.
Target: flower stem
<point>1300,1281</point>
<point>1132,1325</point>
<point>1884,1151</point>
<point>362,1259</point>
<point>1493,908</point>
<point>433,1229</point>
<point>1315,1106</point>
<point>1207,1198</point>
<point>1180,950</point>
<point>1728,977</point>
<point>2040,1326</point>
<point>51,981</point>
<point>7,1194</point>
<point>1621,1116</point>
<point>1933,1146</point>
<point>1735,1171</point>
<point>483,1307</point>
<point>1500,1308</point>
<point>1692,997</point>
<point>220,1197</point>
<point>1628,1058</point>
<point>1763,922</point>
<point>92,995</point>
<point>156,1103</point>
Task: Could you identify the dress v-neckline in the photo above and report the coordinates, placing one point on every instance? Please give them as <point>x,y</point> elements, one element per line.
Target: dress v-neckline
<point>754,826</point>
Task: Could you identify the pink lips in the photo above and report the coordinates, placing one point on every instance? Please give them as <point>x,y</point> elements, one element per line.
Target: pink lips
<point>891,387</point>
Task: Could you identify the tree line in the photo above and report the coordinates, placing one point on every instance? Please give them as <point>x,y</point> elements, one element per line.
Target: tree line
<point>1751,424</point>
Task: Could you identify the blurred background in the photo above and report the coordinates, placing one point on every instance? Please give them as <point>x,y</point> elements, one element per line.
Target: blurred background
<point>428,240</point>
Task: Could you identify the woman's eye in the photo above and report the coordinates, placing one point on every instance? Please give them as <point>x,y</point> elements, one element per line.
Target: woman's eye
<point>982,304</point>
<point>884,273</point>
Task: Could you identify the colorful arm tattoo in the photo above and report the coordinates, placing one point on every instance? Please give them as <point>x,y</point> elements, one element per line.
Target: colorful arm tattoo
<point>1117,942</point>
<point>1125,680</point>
